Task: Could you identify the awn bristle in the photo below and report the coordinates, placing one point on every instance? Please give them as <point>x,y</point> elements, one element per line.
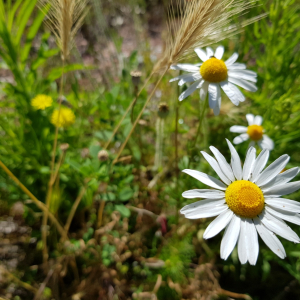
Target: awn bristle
<point>203,22</point>
<point>64,19</point>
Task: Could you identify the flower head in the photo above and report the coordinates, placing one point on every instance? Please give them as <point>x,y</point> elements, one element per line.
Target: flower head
<point>246,201</point>
<point>213,75</point>
<point>254,132</point>
<point>63,118</point>
<point>41,102</point>
<point>103,155</point>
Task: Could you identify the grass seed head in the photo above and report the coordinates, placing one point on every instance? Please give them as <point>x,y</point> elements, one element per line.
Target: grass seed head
<point>65,17</point>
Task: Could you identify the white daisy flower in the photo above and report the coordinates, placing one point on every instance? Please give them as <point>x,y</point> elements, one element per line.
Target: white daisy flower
<point>254,132</point>
<point>214,74</point>
<point>247,201</point>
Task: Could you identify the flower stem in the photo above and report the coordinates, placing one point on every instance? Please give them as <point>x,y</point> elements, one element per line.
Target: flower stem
<point>200,123</point>
<point>74,208</point>
<point>126,112</point>
<point>51,181</point>
<point>139,116</point>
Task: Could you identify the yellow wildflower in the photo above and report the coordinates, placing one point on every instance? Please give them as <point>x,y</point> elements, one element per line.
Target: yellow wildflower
<point>63,118</point>
<point>41,102</point>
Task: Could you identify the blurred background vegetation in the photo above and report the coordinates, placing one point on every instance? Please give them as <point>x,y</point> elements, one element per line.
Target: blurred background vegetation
<point>126,239</point>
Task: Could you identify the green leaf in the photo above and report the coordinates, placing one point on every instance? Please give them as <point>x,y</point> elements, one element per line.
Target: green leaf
<point>94,149</point>
<point>123,210</point>
<point>125,194</point>
<point>45,170</point>
<point>57,72</point>
<point>75,165</point>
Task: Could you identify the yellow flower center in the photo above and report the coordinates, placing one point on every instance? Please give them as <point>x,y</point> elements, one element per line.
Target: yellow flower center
<point>255,132</point>
<point>244,198</point>
<point>213,70</point>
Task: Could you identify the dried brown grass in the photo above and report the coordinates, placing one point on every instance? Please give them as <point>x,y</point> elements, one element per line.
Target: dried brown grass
<point>64,19</point>
<point>203,22</point>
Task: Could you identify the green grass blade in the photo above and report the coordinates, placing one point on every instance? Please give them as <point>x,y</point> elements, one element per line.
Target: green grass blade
<point>23,18</point>
<point>31,35</point>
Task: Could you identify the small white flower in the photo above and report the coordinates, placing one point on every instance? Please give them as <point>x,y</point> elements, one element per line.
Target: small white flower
<point>254,131</point>
<point>214,74</point>
<point>246,201</point>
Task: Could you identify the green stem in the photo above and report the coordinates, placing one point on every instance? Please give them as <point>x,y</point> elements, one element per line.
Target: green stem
<point>200,122</point>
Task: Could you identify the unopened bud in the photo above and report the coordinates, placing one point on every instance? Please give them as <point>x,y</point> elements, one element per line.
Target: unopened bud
<point>64,147</point>
<point>103,155</point>
<point>163,110</point>
<point>136,77</point>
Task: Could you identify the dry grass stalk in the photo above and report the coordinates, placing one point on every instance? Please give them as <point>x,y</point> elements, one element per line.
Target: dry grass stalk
<point>203,22</point>
<point>64,19</point>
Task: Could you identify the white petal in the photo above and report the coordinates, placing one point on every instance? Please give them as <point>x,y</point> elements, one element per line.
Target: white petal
<point>281,178</point>
<point>206,179</point>
<point>242,243</point>
<point>252,237</point>
<point>238,94</point>
<point>283,189</point>
<point>189,78</point>
<point>179,77</point>
<point>241,138</point>
<point>212,94</point>
<point>279,227</point>
<point>266,143</point>
<point>238,129</point>
<point>219,52</point>
<point>249,163</point>
<point>185,67</point>
<point>290,217</point>
<point>201,53</point>
<point>218,224</point>
<point>209,52</point>
<point>237,66</point>
<point>232,59</point>
<point>217,108</point>
<point>260,163</point>
<point>243,83</point>
<point>231,94</point>
<point>206,213</point>
<point>214,164</point>
<point>204,90</point>
<point>190,90</point>
<point>258,120</point>
<point>272,170</point>
<point>269,238</point>
<point>209,194</point>
<point>202,205</point>
<point>284,204</point>
<point>242,75</point>
<point>248,246</point>
<point>250,119</point>
<point>230,237</point>
<point>235,162</point>
<point>225,167</point>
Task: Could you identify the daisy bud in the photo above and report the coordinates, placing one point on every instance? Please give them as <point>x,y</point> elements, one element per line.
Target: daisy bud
<point>103,155</point>
<point>163,110</point>
<point>64,147</point>
<point>136,77</point>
